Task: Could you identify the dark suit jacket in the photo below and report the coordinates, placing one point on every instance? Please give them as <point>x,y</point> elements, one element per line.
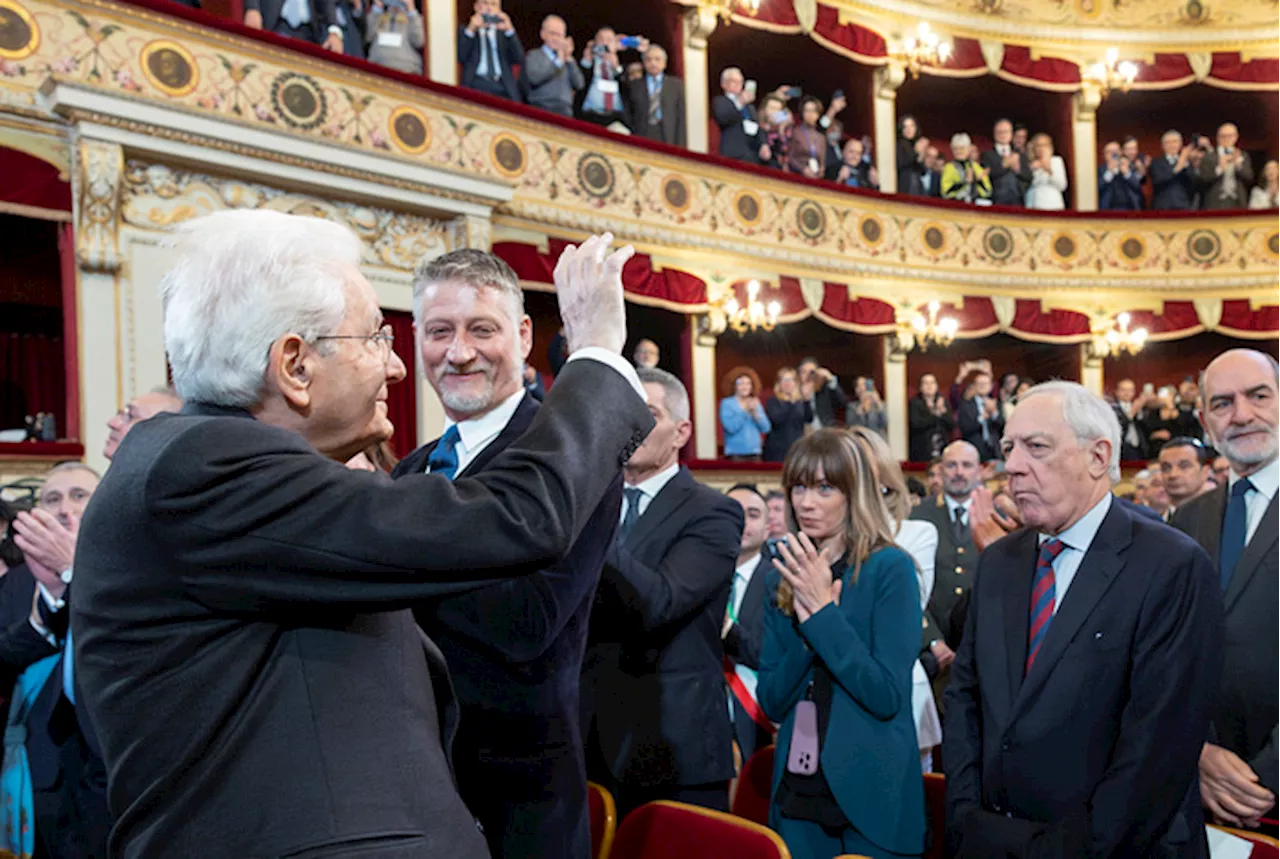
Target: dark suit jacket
<point>654,679</point>
<point>971,429</point>
<point>1213,195</point>
<point>828,403</point>
<point>514,651</point>
<point>734,140</point>
<point>256,684</point>
<point>924,426</point>
<point>1171,191</point>
<point>1008,187</point>
<point>1245,712</point>
<point>743,641</point>
<point>1128,451</point>
<point>1122,193</point>
<point>510,54</point>
<point>1095,752</point>
<point>671,128</point>
<point>323,14</point>
<point>952,577</point>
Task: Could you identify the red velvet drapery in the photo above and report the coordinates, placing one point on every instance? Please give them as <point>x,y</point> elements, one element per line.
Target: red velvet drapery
<point>402,399</point>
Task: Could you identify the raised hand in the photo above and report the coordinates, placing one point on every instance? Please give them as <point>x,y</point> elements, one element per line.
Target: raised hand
<point>589,290</point>
<point>49,547</point>
<point>809,573</point>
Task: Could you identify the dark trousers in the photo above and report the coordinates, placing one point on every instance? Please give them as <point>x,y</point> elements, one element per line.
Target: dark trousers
<point>490,86</point>
<point>602,119</point>
<point>308,32</point>
<point>750,736</point>
<point>630,797</point>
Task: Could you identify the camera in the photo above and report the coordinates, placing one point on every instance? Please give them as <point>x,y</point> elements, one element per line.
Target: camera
<point>492,19</point>
<point>599,50</point>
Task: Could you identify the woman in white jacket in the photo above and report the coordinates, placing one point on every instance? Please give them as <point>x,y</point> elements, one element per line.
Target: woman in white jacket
<point>1048,176</point>
<point>920,541</point>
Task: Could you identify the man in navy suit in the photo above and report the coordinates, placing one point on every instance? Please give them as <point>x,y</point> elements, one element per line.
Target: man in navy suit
<point>1173,178</point>
<point>514,648</point>
<point>653,678</point>
<point>743,631</point>
<point>488,48</point>
<point>1080,696</point>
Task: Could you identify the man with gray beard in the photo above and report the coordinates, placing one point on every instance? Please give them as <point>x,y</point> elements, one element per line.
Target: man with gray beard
<point>515,647</point>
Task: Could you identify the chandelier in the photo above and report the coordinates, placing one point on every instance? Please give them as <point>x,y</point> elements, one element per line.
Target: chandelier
<point>726,9</point>
<point>1111,73</point>
<point>755,314</point>
<point>925,48</point>
<point>924,331</point>
<point>1113,340</point>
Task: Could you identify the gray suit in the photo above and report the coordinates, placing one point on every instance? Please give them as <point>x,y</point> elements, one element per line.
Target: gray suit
<point>1214,195</point>
<point>242,635</point>
<point>548,86</point>
<point>1245,714</point>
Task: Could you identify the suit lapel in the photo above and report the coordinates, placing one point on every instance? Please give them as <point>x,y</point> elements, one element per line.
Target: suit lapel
<point>1012,612</point>
<point>662,506</point>
<point>1209,526</point>
<point>1250,562</point>
<point>516,426</point>
<point>1097,570</point>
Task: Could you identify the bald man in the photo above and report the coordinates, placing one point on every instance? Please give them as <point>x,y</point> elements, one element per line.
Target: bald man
<point>551,78</point>
<point>1226,172</point>
<point>956,557</point>
<point>1236,525</point>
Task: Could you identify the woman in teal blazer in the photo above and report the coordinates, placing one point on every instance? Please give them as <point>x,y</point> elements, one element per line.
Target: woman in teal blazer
<point>842,630</point>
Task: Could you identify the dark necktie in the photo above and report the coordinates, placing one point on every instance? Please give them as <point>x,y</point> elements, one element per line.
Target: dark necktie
<point>1234,527</point>
<point>962,526</point>
<point>631,495</point>
<point>444,459</point>
<point>606,74</point>
<point>1042,598</point>
<point>491,45</point>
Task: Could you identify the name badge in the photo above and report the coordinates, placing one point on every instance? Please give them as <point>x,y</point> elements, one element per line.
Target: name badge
<point>391,40</point>
<point>750,128</point>
<point>608,86</point>
<point>813,165</point>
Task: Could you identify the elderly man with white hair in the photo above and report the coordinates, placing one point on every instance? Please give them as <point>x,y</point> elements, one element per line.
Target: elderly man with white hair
<point>733,111</point>
<point>242,637</point>
<point>655,108</point>
<point>1080,695</point>
<point>964,177</point>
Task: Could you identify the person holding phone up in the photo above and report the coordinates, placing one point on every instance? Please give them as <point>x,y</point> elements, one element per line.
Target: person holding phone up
<point>488,51</point>
<point>603,103</point>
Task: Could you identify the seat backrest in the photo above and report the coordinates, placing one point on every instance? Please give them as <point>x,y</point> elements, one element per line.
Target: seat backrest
<point>754,783</point>
<point>1264,846</point>
<point>604,820</point>
<point>665,829</point>
<point>935,806</point>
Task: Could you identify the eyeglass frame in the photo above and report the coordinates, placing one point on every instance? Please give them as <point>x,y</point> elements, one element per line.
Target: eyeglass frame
<point>386,334</point>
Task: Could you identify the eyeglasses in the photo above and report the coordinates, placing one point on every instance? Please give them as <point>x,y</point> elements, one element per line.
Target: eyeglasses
<point>385,338</point>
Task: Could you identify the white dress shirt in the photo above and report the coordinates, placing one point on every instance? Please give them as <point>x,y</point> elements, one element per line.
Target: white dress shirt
<point>649,490</point>
<point>475,434</point>
<point>1076,541</point>
<point>1257,499</point>
<point>741,581</point>
<point>920,540</point>
<point>953,504</point>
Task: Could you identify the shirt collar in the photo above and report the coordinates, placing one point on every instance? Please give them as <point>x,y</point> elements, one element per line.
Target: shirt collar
<point>477,432</point>
<point>547,49</point>
<point>652,486</point>
<point>952,504</point>
<point>744,571</point>
<point>1080,535</point>
<point>1264,480</point>
<point>653,80</point>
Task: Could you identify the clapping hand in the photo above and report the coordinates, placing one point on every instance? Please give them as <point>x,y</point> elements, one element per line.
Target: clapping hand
<point>589,289</point>
<point>49,547</point>
<point>987,523</point>
<point>808,571</point>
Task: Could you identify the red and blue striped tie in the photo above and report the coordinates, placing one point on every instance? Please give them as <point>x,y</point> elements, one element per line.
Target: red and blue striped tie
<point>1042,597</point>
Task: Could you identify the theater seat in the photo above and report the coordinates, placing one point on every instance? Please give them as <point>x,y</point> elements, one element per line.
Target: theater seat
<point>664,829</point>
<point>604,820</point>
<point>1264,846</point>
<point>751,801</point>
<point>935,808</point>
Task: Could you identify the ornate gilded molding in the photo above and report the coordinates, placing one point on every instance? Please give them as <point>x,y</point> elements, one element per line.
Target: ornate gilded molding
<point>698,23</point>
<point>99,172</point>
<point>157,196</point>
<point>469,231</point>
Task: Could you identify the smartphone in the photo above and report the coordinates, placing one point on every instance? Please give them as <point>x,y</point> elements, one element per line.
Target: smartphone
<point>492,19</point>
<point>837,94</point>
<point>794,92</point>
<point>629,42</point>
<point>1148,389</point>
<point>770,548</point>
<point>751,87</point>
<point>870,385</point>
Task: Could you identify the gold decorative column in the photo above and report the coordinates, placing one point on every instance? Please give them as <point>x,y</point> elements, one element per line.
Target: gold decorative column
<point>99,172</point>
<point>698,23</point>
<point>1084,139</point>
<point>887,80</point>
<point>895,397</point>
<point>469,231</point>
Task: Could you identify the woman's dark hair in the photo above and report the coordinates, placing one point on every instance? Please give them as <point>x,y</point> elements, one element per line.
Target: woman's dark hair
<point>902,121</point>
<point>808,100</point>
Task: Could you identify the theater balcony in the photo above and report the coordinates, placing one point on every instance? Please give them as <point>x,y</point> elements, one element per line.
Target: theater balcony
<point>118,121</point>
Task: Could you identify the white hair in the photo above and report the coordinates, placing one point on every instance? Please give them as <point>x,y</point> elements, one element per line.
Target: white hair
<point>960,141</point>
<point>243,279</point>
<point>1144,474</point>
<point>732,70</point>
<point>656,49</point>
<point>1088,415</point>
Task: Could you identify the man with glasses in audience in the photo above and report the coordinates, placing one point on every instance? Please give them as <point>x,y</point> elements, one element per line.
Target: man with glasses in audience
<point>140,408</point>
<point>1184,464</point>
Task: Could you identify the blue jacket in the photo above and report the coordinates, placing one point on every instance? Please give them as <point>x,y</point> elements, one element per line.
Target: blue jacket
<point>742,431</point>
<point>869,642</point>
<point>1121,193</point>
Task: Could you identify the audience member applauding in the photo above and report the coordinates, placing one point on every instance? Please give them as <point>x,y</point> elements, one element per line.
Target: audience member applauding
<point>1265,195</point>
<point>655,103</point>
<point>841,627</point>
<point>1048,176</point>
<point>1010,170</point>
<point>979,417</point>
<point>1162,420</point>
<point>395,34</point>
<point>931,175</point>
<point>733,112</point>
<point>550,76</point>
<point>1226,172</point>
<point>930,421</point>
<point>854,170</point>
<point>1184,464</point>
<point>489,51</point>
<point>964,178</point>
<point>1119,185</point>
<point>1128,410</point>
<point>1237,522</point>
<point>742,417</point>
<point>820,387</point>
<point>1173,177</point>
<point>788,413</point>
<point>866,409</point>
<point>807,148</point>
<point>743,630</point>
<point>911,151</point>
<point>776,125</point>
<point>1080,695</point>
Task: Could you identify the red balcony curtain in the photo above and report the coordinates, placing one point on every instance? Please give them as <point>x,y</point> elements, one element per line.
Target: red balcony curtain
<point>402,399</point>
